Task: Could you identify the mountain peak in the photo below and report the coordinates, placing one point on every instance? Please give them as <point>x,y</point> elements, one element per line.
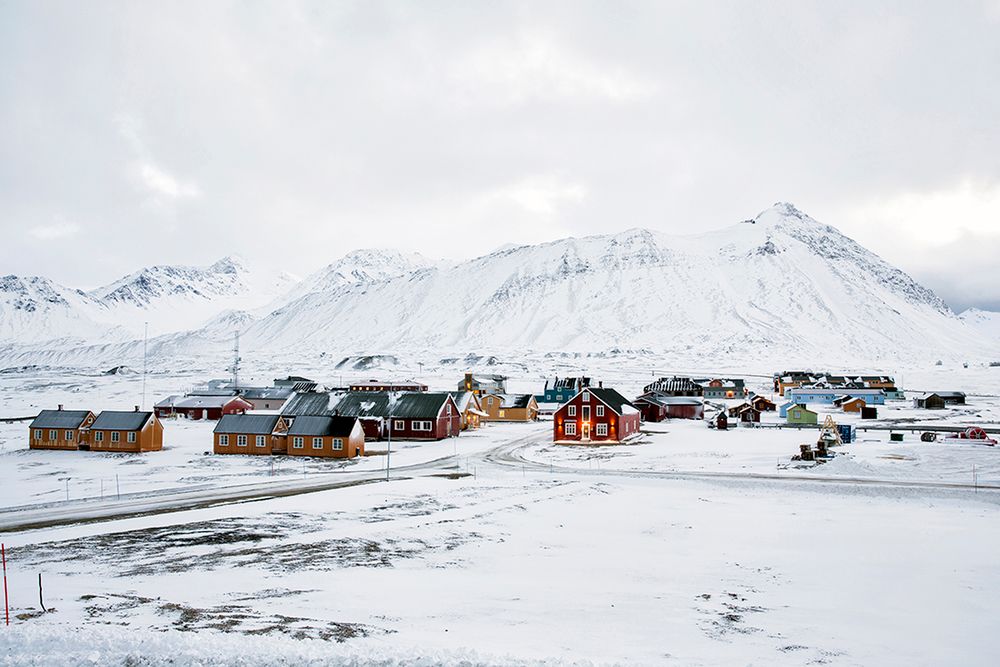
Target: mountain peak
<point>229,264</point>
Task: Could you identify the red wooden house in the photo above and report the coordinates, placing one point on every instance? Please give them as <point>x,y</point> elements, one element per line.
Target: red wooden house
<point>596,414</point>
<point>202,407</point>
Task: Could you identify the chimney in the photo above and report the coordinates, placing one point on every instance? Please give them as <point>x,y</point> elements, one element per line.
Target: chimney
<point>600,384</point>
<point>60,407</point>
<point>137,408</point>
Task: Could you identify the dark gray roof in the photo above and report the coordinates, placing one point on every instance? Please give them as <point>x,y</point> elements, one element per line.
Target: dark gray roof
<point>206,401</point>
<point>363,404</point>
<point>516,400</point>
<point>950,394</point>
<point>673,384</point>
<point>611,398</point>
<point>252,424</point>
<point>323,426</point>
<point>260,393</point>
<point>308,403</point>
<point>59,418</point>
<point>417,405</point>
<point>114,420</point>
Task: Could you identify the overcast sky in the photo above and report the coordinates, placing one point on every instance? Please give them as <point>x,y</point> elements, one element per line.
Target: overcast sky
<point>136,133</point>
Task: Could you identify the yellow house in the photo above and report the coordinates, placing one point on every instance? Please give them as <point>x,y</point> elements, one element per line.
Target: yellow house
<point>509,407</point>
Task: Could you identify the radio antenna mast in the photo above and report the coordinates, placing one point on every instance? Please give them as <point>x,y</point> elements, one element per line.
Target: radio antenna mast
<point>236,361</point>
<point>145,340</point>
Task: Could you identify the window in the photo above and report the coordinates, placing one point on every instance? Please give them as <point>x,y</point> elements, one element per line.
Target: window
<point>69,436</point>
<point>224,440</point>
<point>53,434</point>
<point>503,413</point>
<point>261,441</point>
<point>298,442</point>
<point>317,443</point>
<point>489,401</point>
<point>570,428</point>
<point>602,429</point>
<point>98,436</point>
<point>600,410</point>
<point>241,441</point>
<point>585,397</point>
<point>131,436</point>
<point>448,410</point>
<point>399,425</point>
<point>338,444</point>
<point>116,436</point>
<point>38,434</point>
<point>796,414</point>
<point>423,426</point>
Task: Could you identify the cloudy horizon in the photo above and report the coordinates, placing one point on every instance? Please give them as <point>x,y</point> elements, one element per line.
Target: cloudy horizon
<point>137,134</point>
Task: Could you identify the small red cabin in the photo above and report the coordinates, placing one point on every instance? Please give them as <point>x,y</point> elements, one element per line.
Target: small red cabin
<point>596,414</point>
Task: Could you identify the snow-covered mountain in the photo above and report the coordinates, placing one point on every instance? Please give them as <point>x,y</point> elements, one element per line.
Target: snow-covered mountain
<point>781,287</point>
<point>34,309</point>
<point>986,321</point>
<point>360,267</point>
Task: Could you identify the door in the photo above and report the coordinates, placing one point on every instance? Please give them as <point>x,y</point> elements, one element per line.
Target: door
<point>586,431</point>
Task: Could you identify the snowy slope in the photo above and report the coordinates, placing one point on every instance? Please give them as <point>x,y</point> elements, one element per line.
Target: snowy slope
<point>779,285</point>
<point>34,309</point>
<point>357,267</point>
<point>986,321</point>
<point>176,298</point>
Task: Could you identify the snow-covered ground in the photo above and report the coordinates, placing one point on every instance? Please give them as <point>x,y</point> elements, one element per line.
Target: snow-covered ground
<point>688,547</point>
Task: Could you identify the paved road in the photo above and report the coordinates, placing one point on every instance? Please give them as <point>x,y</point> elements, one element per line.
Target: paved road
<point>84,511</point>
<point>507,455</point>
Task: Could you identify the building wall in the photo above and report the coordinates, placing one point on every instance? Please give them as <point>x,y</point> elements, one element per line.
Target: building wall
<point>798,415</point>
<point>619,427</point>
<point>444,426</point>
<point>60,441</point>
<point>351,446</point>
<point>685,411</point>
<point>828,396</point>
<point>496,413</point>
<point>149,439</point>
<point>251,448</point>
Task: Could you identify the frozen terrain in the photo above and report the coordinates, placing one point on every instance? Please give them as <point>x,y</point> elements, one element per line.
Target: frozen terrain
<point>780,287</point>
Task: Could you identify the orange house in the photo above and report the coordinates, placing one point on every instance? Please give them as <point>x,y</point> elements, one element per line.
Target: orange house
<point>250,434</point>
<point>331,437</point>
<point>122,431</point>
<point>60,429</point>
<point>853,404</point>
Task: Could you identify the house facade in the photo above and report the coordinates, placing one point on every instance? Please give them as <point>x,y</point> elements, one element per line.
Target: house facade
<point>800,414</point>
<point>251,435</point>
<point>202,407</point>
<point>124,431</point>
<point>60,429</point>
<point>326,436</point>
<point>483,384</point>
<point>722,388</point>
<point>560,390</point>
<point>596,414</point>
<point>469,409</point>
<point>807,395</point>
<point>656,407</point>
<point>509,407</point>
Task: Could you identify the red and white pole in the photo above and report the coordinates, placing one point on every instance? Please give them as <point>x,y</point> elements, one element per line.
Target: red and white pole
<point>6,607</point>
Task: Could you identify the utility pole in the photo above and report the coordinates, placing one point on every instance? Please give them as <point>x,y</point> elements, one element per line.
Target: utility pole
<point>145,341</point>
<point>388,452</point>
<point>236,361</point>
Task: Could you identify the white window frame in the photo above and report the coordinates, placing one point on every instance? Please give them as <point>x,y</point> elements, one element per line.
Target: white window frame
<point>116,436</point>
<point>241,440</point>
<point>131,436</point>
<point>38,434</point>
<point>601,429</point>
<point>261,441</point>
<point>489,401</point>
<point>298,442</point>
<point>398,425</point>
<point>585,397</point>
<point>338,444</point>
<point>53,434</point>
<point>600,411</point>
<point>224,440</point>
<point>69,436</point>
<point>569,428</point>
<point>318,443</point>
<point>98,436</point>
<point>571,411</point>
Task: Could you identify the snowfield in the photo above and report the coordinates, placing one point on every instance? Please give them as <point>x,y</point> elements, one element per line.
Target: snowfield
<point>688,547</point>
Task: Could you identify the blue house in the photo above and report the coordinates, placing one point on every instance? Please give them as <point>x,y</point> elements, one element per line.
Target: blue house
<point>783,409</point>
<point>807,395</point>
<point>561,390</point>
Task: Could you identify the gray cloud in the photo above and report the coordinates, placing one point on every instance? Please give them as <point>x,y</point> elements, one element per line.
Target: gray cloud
<point>293,132</point>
